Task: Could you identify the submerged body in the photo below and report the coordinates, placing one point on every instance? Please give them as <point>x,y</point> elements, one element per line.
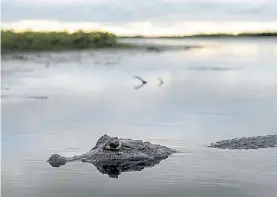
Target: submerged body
<point>112,155</point>
<point>247,142</point>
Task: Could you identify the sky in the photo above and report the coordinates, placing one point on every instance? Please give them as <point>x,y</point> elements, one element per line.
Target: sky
<point>142,17</point>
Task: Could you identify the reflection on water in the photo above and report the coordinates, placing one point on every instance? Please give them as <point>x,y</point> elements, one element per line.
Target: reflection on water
<point>223,92</point>
<point>114,169</point>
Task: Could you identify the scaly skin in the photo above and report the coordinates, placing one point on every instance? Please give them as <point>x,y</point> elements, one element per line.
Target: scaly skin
<point>257,142</point>
<point>112,155</point>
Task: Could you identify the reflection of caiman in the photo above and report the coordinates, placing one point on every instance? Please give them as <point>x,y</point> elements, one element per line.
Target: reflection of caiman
<point>247,142</point>
<point>112,155</point>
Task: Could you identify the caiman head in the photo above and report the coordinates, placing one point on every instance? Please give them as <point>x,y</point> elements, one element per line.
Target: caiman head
<point>112,155</point>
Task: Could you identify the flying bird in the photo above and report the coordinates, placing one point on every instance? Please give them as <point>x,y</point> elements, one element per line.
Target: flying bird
<point>142,81</point>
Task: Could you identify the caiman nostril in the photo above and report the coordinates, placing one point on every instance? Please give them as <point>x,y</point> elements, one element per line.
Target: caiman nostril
<point>56,160</point>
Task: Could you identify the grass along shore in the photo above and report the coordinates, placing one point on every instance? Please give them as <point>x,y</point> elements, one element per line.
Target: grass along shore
<point>30,41</point>
<point>56,41</point>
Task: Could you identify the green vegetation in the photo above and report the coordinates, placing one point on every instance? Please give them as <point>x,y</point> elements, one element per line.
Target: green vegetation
<point>42,41</point>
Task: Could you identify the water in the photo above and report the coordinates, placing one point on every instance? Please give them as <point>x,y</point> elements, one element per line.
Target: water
<point>225,90</point>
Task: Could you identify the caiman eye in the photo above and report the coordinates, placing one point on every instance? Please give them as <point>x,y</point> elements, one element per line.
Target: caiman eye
<point>114,144</point>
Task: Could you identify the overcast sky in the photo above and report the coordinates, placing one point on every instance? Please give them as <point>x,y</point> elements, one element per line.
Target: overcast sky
<point>154,12</point>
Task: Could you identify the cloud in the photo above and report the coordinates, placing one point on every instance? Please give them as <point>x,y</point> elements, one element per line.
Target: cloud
<point>125,17</point>
<point>125,10</point>
<point>146,28</point>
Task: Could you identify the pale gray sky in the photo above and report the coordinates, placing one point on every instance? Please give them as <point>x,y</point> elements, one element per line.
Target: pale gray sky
<point>127,10</point>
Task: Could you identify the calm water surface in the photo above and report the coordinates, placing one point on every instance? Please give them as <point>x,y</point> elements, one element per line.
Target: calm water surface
<point>225,90</point>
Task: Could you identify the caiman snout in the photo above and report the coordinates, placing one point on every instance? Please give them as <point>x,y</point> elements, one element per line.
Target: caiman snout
<point>113,145</point>
<point>56,160</point>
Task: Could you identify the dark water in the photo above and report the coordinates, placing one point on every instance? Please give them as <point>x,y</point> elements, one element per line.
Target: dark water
<point>62,103</point>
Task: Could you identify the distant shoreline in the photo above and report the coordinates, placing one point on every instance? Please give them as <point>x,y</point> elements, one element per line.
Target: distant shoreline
<point>63,41</point>
<point>243,35</point>
<point>30,41</point>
